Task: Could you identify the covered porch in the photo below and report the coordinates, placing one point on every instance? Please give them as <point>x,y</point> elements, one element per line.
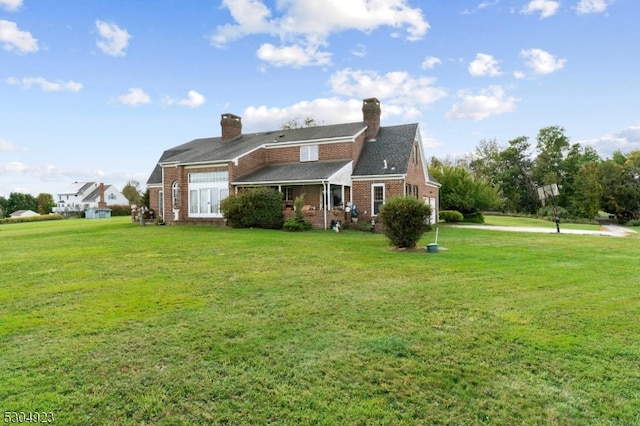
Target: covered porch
<point>325,187</point>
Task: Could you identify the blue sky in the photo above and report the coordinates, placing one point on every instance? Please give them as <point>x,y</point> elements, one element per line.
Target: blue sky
<point>96,90</point>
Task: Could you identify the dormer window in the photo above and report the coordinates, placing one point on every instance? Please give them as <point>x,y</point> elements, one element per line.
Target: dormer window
<point>309,153</point>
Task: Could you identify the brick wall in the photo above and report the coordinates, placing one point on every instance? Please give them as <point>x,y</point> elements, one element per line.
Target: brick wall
<point>326,152</point>
<point>154,194</point>
<point>362,194</point>
<point>248,164</point>
<point>335,151</point>
<point>289,154</point>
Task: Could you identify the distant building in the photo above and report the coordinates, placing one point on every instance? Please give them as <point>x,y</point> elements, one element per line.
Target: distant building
<point>82,196</point>
<point>24,213</point>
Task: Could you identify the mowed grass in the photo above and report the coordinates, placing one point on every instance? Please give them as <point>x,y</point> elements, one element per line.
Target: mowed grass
<point>106,322</point>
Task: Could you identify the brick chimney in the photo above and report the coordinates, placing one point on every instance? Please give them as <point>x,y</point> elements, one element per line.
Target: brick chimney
<point>371,116</point>
<point>231,126</point>
<point>101,203</point>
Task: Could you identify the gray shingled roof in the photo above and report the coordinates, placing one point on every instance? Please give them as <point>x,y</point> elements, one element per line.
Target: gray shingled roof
<point>94,195</point>
<point>215,150</point>
<point>311,171</point>
<point>394,144</point>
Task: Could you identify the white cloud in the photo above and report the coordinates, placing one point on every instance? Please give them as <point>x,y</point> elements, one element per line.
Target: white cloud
<point>324,110</point>
<point>13,167</point>
<point>591,6</point>
<point>12,38</point>
<point>304,25</point>
<point>626,140</point>
<point>6,146</point>
<point>193,100</point>
<point>484,65</point>
<point>542,62</point>
<point>546,8</point>
<point>113,40</point>
<point>486,4</point>
<point>395,87</point>
<point>135,96</point>
<point>485,103</point>
<point>295,55</point>
<point>360,51</point>
<point>319,19</point>
<point>45,85</point>
<point>430,62</point>
<point>11,5</point>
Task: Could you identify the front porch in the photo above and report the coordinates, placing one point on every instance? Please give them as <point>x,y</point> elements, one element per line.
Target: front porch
<point>324,186</point>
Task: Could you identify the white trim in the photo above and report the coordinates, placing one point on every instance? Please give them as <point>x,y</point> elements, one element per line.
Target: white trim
<point>378,177</point>
<point>384,196</point>
<point>320,141</point>
<point>206,164</point>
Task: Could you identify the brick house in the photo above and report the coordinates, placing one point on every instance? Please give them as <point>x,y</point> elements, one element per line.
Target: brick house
<point>335,168</point>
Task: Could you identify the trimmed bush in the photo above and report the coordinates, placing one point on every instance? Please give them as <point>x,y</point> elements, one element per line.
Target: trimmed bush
<point>120,210</point>
<point>31,218</point>
<point>451,216</point>
<point>366,227</point>
<point>404,218</point>
<point>254,207</point>
<point>297,223</point>
<point>546,212</point>
<point>294,225</point>
<point>474,218</point>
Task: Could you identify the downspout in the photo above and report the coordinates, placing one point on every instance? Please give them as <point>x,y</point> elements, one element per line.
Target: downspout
<point>326,196</point>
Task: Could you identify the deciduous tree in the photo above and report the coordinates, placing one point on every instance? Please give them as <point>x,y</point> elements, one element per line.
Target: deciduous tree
<point>45,203</point>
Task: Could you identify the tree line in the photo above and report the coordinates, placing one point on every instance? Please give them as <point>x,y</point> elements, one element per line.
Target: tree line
<point>507,177</point>
<point>42,204</point>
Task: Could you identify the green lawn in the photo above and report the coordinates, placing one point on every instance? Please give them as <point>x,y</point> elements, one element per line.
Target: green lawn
<point>106,322</point>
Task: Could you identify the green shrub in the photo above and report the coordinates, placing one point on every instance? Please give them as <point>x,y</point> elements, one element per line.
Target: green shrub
<point>366,227</point>
<point>474,218</point>
<point>39,218</point>
<point>295,225</point>
<point>634,222</point>
<point>254,207</point>
<point>403,218</point>
<point>120,210</point>
<point>451,216</point>
<point>546,212</point>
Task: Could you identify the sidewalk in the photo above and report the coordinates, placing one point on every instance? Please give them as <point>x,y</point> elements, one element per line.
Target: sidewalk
<point>605,230</point>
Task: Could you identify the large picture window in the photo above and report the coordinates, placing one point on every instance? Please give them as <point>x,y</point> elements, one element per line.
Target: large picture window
<point>206,191</point>
<point>309,153</point>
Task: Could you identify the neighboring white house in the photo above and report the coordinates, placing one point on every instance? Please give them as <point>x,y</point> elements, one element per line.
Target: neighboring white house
<point>82,196</point>
<point>24,213</point>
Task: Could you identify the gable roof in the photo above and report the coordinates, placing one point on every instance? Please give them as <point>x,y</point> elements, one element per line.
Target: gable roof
<point>211,150</point>
<point>94,195</point>
<point>393,144</point>
<point>24,213</point>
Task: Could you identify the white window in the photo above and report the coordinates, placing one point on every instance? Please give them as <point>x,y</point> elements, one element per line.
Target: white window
<point>206,191</point>
<point>161,203</point>
<point>175,195</point>
<point>309,153</point>
<point>377,197</point>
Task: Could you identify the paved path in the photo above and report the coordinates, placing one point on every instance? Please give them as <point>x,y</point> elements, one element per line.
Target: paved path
<point>605,230</point>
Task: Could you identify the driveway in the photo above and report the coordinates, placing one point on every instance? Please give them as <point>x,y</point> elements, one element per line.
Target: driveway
<point>605,230</point>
